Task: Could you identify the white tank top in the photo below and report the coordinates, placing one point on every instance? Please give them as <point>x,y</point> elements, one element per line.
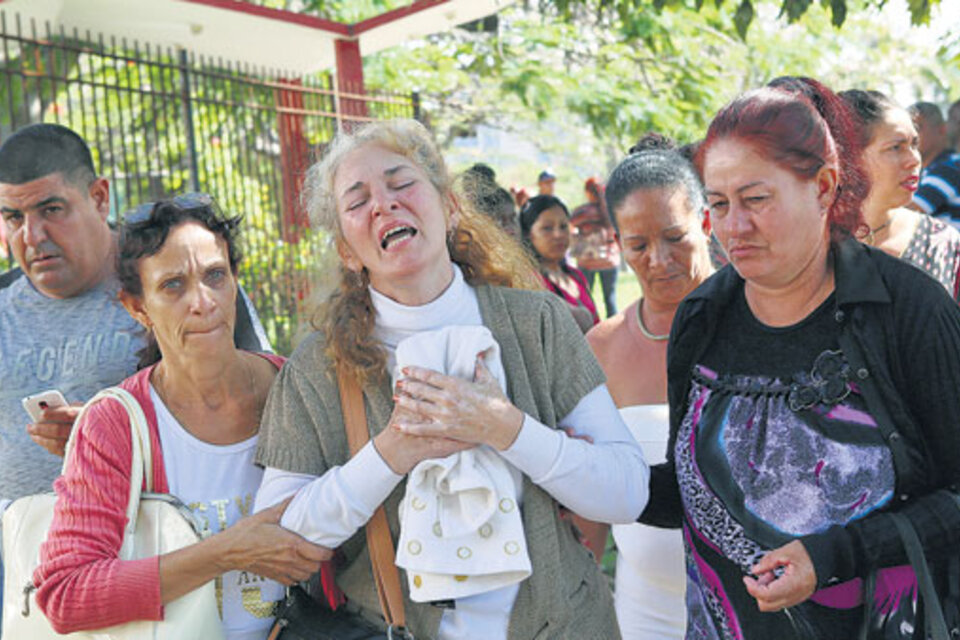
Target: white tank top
<point>218,483</point>
<point>650,582</point>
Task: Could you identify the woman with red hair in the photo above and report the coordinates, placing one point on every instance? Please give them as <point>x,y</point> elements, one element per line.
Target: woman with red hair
<point>812,391</point>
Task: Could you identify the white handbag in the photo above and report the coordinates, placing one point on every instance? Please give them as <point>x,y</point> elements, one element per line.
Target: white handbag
<point>156,524</point>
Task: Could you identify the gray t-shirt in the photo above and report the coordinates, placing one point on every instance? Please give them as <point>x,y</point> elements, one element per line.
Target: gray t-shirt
<point>78,345</point>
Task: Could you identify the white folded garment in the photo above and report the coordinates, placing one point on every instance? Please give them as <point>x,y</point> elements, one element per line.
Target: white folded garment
<point>461,532</point>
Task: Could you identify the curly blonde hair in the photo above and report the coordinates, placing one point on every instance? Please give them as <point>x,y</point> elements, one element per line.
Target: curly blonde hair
<point>484,252</point>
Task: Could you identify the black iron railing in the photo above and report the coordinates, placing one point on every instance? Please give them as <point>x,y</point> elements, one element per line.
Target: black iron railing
<point>163,121</point>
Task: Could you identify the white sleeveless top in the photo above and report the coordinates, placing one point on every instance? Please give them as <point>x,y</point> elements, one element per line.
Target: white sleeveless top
<point>218,483</point>
<point>650,582</point>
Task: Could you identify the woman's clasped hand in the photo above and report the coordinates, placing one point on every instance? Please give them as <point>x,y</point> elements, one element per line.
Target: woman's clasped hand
<point>260,545</point>
<point>474,411</point>
<point>469,376</point>
<point>782,578</point>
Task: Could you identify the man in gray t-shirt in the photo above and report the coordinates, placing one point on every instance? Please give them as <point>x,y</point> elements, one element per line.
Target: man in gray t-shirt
<point>61,324</point>
<point>78,345</point>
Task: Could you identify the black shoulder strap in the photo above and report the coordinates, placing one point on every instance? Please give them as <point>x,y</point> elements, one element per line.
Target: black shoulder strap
<point>244,332</point>
<point>936,626</point>
<point>909,474</point>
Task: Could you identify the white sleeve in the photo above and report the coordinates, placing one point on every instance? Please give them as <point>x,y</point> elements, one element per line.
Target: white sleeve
<point>607,481</point>
<point>327,510</point>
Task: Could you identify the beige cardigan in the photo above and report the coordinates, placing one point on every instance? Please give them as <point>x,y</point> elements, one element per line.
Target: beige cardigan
<point>549,369</point>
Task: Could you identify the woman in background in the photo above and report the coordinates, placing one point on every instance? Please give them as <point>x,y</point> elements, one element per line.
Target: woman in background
<point>595,243</point>
<point>657,202</point>
<point>545,229</point>
<point>892,161</point>
<point>479,185</point>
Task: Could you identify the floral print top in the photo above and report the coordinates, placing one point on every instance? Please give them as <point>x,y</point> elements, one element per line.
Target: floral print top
<point>935,248</point>
<point>777,443</point>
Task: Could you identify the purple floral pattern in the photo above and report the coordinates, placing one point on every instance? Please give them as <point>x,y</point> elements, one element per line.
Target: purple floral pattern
<point>711,521</point>
<point>783,470</point>
<point>794,477</point>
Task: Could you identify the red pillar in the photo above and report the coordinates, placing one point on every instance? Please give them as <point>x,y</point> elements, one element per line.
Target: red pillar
<point>294,158</point>
<point>350,78</point>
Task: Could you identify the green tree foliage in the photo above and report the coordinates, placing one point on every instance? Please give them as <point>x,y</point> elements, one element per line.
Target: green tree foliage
<point>585,88</point>
<point>742,12</point>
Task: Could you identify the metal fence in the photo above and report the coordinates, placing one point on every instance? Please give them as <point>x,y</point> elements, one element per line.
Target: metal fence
<point>162,121</point>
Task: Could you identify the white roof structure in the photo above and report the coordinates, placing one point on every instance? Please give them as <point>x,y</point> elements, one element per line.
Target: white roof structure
<point>244,32</point>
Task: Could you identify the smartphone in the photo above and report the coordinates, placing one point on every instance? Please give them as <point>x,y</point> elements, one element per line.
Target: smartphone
<point>35,404</point>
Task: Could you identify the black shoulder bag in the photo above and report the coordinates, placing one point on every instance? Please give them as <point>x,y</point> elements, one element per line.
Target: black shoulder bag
<point>941,609</point>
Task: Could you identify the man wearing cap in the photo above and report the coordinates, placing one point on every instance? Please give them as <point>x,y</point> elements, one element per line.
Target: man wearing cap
<point>547,182</point>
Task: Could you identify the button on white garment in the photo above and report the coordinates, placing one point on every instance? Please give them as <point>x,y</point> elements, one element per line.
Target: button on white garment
<point>461,533</point>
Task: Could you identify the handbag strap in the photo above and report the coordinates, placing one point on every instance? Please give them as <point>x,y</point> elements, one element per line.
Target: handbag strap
<point>936,623</point>
<point>386,577</point>
<point>908,473</point>
<point>869,588</point>
<point>141,463</point>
